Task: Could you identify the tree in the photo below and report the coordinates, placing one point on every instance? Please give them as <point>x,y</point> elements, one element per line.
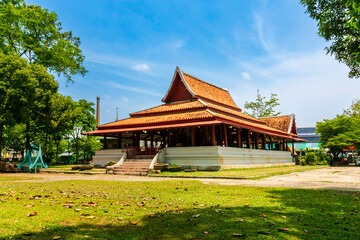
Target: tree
<point>25,93</point>
<point>339,133</point>
<point>84,121</point>
<point>34,33</point>
<point>339,22</point>
<point>354,109</point>
<point>262,108</point>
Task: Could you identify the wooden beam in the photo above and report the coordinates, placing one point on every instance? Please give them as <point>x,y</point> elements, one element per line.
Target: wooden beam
<point>213,140</point>
<point>263,141</point>
<point>192,136</point>
<point>152,139</point>
<point>239,137</point>
<point>119,138</point>
<point>105,144</point>
<point>221,135</point>
<point>169,138</point>
<point>225,135</point>
<point>256,140</point>
<point>206,128</point>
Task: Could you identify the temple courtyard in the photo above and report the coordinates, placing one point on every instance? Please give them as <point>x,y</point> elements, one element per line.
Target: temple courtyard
<point>78,206</point>
<point>338,178</point>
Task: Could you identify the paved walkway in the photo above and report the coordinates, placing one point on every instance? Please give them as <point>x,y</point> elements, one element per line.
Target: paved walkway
<point>340,178</point>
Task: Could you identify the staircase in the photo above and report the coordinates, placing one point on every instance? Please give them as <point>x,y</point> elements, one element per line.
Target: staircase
<point>102,157</point>
<point>139,165</point>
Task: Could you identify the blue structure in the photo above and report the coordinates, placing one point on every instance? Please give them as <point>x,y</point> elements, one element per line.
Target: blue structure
<point>308,134</point>
<point>31,163</point>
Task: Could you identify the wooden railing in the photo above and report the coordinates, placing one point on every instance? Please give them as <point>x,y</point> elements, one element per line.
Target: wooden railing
<point>133,151</point>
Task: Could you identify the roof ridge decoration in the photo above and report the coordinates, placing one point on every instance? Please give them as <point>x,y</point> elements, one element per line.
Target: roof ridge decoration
<point>196,89</point>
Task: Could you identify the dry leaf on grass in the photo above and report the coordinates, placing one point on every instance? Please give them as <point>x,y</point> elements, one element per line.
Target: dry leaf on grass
<point>32,214</point>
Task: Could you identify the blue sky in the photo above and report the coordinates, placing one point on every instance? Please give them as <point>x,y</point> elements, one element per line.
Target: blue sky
<point>132,49</point>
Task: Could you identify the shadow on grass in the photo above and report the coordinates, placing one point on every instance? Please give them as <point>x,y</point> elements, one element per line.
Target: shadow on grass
<point>308,214</point>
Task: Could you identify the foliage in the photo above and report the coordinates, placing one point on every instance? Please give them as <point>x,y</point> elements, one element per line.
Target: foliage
<point>339,133</point>
<point>354,109</point>
<point>262,108</point>
<point>84,121</point>
<point>315,157</point>
<point>25,93</point>
<point>339,22</point>
<point>35,33</point>
<point>173,210</point>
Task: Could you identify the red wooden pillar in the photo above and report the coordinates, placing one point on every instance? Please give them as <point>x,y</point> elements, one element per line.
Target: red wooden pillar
<point>206,128</point>
<point>119,141</point>
<point>225,135</point>
<point>221,135</point>
<point>263,141</point>
<point>152,139</point>
<point>271,143</point>
<point>239,137</point>
<point>138,139</point>
<point>293,150</point>
<point>213,140</point>
<point>279,144</point>
<point>256,140</point>
<point>105,144</point>
<point>248,139</point>
<point>169,138</point>
<point>192,136</point>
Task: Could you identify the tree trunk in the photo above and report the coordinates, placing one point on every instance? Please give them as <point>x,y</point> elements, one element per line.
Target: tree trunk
<point>57,150</point>
<point>1,139</point>
<point>27,138</point>
<point>45,148</point>
<point>77,148</point>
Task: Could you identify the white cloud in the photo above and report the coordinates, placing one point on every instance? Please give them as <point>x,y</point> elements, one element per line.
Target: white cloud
<point>312,85</point>
<point>134,89</point>
<point>245,75</point>
<point>175,45</point>
<point>125,99</point>
<point>141,67</point>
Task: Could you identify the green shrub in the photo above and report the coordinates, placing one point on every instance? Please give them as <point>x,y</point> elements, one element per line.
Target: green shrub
<point>315,157</point>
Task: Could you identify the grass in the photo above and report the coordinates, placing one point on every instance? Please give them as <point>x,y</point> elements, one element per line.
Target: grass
<point>173,210</point>
<point>68,168</point>
<point>4,177</point>
<point>255,173</point>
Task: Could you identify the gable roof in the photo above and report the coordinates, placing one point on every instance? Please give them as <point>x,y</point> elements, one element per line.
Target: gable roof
<point>284,123</point>
<point>199,89</point>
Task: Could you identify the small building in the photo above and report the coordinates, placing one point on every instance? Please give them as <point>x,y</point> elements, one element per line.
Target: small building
<point>199,126</point>
<point>308,134</point>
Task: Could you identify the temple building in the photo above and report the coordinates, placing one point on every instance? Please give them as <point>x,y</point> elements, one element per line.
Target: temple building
<point>200,126</point>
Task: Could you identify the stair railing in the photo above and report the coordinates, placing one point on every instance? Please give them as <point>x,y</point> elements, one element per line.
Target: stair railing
<point>110,169</point>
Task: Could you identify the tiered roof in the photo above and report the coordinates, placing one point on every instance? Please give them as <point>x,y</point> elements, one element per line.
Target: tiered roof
<point>193,102</point>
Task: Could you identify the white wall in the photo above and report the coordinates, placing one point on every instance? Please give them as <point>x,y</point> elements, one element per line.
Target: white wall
<point>216,157</point>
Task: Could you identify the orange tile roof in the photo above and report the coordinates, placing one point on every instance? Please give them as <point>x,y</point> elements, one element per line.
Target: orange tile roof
<point>170,107</point>
<point>281,122</point>
<point>238,113</point>
<point>208,91</point>
<point>166,118</point>
<point>248,123</point>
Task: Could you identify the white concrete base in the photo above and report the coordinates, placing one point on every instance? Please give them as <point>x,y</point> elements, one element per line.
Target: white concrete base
<point>216,157</point>
<point>102,157</point>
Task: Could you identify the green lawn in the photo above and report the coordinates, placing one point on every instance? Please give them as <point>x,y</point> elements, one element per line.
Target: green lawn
<point>66,168</point>
<point>173,210</point>
<point>255,173</point>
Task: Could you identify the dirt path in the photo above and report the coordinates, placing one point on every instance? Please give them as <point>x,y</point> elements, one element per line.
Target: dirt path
<point>340,178</point>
